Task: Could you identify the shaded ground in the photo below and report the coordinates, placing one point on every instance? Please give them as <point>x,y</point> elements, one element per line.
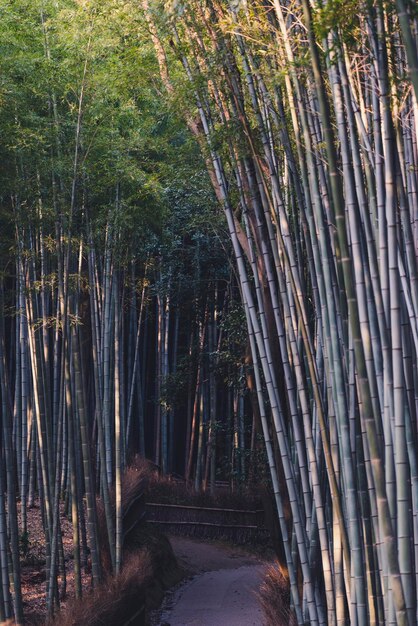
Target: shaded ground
<point>220,590</point>
<point>33,571</point>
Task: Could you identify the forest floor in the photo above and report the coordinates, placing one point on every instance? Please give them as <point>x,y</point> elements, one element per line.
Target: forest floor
<point>220,588</point>
<point>33,570</point>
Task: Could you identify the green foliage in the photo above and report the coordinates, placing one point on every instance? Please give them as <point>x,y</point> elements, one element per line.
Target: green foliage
<point>230,357</point>
<point>341,15</point>
<point>91,65</point>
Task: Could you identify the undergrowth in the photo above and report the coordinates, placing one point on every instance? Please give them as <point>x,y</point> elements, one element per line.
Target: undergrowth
<point>274,597</point>
<point>165,490</point>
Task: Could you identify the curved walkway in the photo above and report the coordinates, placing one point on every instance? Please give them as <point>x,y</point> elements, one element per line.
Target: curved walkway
<point>221,590</point>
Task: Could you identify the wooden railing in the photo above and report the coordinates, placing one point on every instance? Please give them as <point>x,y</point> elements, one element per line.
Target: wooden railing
<point>237,525</point>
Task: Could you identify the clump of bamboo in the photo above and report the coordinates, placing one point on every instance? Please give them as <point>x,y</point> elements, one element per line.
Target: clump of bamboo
<point>310,140</point>
<point>102,315</point>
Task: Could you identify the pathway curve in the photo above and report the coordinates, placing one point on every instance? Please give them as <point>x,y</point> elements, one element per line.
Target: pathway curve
<point>221,589</point>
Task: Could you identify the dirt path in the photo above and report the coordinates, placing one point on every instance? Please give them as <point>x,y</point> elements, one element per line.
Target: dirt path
<point>220,591</point>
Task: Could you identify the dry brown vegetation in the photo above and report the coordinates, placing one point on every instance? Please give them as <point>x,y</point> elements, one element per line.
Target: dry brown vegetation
<point>167,490</point>
<point>118,600</point>
<point>274,597</point>
<point>150,566</point>
<point>135,485</point>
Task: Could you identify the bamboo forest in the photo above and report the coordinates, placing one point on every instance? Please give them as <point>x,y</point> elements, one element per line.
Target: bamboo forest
<point>209,300</point>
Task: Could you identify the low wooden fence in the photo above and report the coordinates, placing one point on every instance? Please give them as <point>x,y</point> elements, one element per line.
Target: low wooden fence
<point>236,525</point>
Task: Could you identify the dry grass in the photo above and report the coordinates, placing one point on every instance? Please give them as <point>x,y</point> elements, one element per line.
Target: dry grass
<point>149,564</point>
<point>135,483</point>
<point>274,597</point>
<point>165,490</point>
<point>118,600</point>
<point>165,568</point>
